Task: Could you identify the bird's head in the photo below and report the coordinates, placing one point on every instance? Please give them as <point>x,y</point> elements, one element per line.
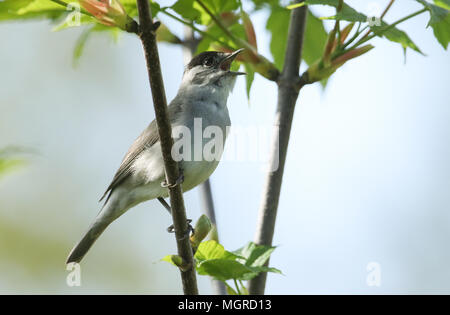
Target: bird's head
<point>211,68</point>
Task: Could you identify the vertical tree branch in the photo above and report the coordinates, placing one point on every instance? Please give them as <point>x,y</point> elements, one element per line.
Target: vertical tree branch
<point>206,197</point>
<point>288,89</point>
<point>147,35</point>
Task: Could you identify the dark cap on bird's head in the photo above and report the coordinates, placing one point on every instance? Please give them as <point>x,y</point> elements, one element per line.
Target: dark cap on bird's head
<point>215,59</point>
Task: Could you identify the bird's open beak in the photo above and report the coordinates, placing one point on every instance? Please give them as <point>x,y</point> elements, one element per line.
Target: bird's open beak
<point>225,64</point>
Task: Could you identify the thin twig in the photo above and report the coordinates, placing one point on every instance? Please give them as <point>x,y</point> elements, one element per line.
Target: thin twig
<point>193,27</point>
<point>339,8</point>
<point>147,35</point>
<point>330,46</point>
<point>388,27</point>
<point>239,42</point>
<point>355,36</point>
<point>387,9</point>
<point>381,17</point>
<point>65,4</point>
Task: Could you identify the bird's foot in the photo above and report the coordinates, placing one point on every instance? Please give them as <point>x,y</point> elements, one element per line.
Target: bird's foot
<point>190,228</point>
<point>179,181</point>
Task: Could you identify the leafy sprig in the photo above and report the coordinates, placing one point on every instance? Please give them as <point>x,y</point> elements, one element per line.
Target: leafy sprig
<point>241,265</point>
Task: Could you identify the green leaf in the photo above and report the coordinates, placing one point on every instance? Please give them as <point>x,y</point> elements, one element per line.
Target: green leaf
<point>396,35</point>
<point>255,255</point>
<point>257,271</point>
<point>437,13</point>
<point>261,4</point>
<point>445,4</point>
<point>219,6</point>
<point>9,165</point>
<point>186,9</point>
<point>38,6</point>
<point>346,14</point>
<point>131,8</point>
<point>164,34</point>
<point>277,25</point>
<point>207,43</point>
<point>204,45</point>
<point>175,260</point>
<point>237,30</point>
<point>191,10</point>
<point>212,250</point>
<point>249,78</point>
<point>29,9</point>
<point>315,39</point>
<point>213,260</point>
<point>441,31</point>
<point>224,269</point>
<point>349,14</point>
<point>333,3</point>
<point>439,20</point>
<point>9,161</point>
<point>324,83</point>
<point>79,45</point>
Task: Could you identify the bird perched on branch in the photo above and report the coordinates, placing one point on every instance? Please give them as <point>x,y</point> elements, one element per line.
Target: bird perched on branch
<point>206,84</point>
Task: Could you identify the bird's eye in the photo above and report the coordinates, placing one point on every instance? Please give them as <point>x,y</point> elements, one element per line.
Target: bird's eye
<point>208,62</point>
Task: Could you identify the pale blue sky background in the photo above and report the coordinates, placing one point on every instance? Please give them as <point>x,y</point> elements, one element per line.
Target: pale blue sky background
<point>366,180</point>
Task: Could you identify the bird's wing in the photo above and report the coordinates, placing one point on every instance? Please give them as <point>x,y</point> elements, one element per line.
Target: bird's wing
<point>147,138</point>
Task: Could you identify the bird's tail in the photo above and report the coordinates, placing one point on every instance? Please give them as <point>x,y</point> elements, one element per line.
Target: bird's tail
<point>104,218</point>
<point>83,246</point>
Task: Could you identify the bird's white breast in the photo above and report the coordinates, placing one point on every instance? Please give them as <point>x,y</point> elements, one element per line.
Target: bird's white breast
<point>214,116</point>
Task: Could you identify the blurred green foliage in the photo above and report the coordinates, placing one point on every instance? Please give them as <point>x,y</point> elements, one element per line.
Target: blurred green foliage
<point>10,160</point>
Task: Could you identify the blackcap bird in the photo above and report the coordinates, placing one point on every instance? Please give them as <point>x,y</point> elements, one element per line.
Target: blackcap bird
<point>206,84</point>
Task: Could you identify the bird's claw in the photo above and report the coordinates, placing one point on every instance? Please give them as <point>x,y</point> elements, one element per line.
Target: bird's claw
<point>171,229</point>
<point>179,181</point>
